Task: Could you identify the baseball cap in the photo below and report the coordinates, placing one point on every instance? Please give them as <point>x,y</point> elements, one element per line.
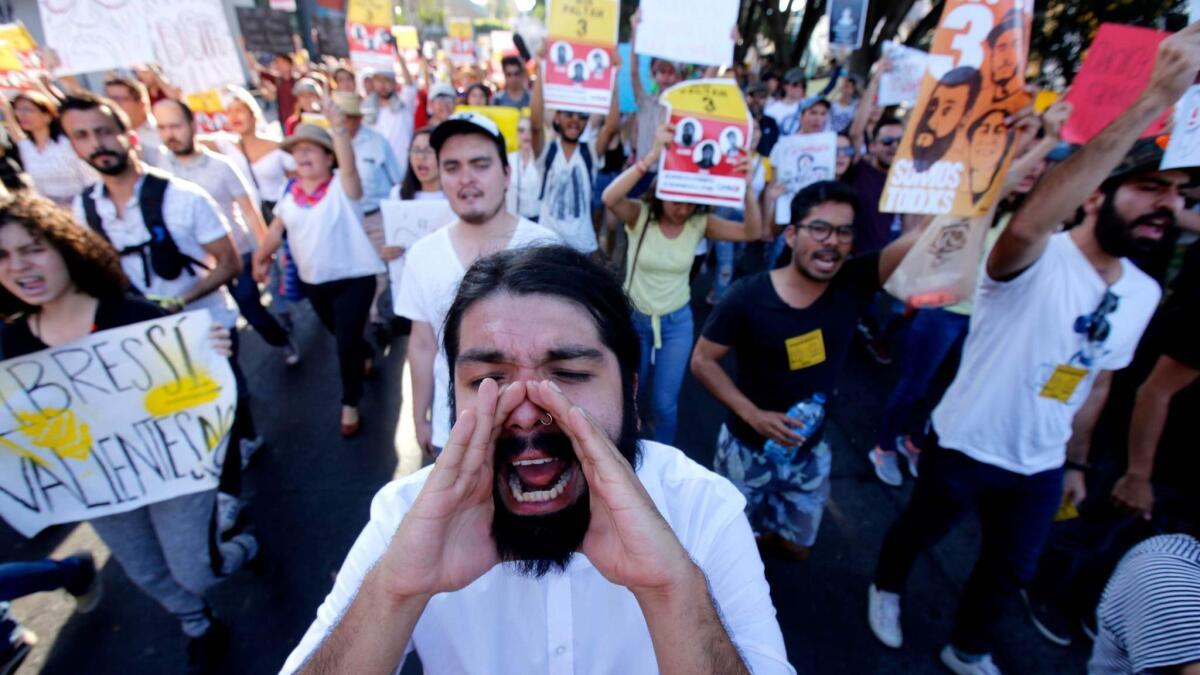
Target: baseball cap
<point>307,86</point>
<point>442,89</point>
<point>794,76</point>
<point>468,123</point>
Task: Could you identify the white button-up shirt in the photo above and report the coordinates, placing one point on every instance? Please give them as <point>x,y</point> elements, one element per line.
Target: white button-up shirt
<point>576,621</point>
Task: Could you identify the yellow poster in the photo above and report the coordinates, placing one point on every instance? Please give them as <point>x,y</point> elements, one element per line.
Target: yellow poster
<point>461,41</point>
<point>459,29</point>
<point>406,37</point>
<point>370,12</point>
<point>705,163</point>
<point>505,117</point>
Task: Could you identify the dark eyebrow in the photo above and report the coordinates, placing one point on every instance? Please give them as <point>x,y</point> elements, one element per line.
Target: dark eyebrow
<point>495,356</point>
<point>480,356</point>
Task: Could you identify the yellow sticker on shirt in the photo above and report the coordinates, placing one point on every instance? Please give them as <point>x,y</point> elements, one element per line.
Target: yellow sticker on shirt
<point>1063,382</point>
<point>806,350</point>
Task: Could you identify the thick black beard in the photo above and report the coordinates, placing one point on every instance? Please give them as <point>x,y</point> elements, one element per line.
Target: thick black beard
<point>925,158</point>
<point>1115,235</point>
<point>540,544</point>
<point>115,170</point>
<point>186,151</point>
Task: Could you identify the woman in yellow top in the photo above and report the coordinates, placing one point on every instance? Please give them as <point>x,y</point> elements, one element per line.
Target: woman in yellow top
<point>663,236</point>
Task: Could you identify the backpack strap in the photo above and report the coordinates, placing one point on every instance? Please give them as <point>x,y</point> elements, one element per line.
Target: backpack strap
<point>165,256</point>
<point>644,221</point>
<point>547,161</point>
<point>90,214</point>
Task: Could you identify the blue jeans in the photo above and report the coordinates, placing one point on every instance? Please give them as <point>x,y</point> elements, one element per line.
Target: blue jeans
<point>727,253</point>
<point>932,335</point>
<point>18,579</point>
<point>1015,514</point>
<point>669,364</point>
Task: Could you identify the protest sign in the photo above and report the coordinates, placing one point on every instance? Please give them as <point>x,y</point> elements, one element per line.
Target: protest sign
<point>406,37</point>
<point>1113,74</point>
<point>502,45</point>
<point>92,36</point>
<point>901,82</point>
<point>404,222</point>
<point>957,146</point>
<point>581,40</point>
<point>331,35</point>
<point>112,422</point>
<point>193,44</point>
<point>628,102</point>
<point>941,267</point>
<point>688,31</point>
<point>208,109</point>
<point>505,117</point>
<point>370,12</point>
<point>19,60</point>
<point>847,20</point>
<point>284,5</point>
<point>369,34</point>
<point>712,133</point>
<point>461,38</point>
<point>1183,150</point>
<point>799,160</point>
<point>266,30</point>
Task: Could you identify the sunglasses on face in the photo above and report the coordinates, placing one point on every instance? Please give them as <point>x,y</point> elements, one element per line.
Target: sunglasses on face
<point>820,231</point>
<point>889,140</point>
<point>574,115</point>
<point>847,151</point>
<point>1095,326</point>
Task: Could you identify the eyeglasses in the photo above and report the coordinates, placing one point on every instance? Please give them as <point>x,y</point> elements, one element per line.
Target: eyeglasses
<point>889,140</point>
<point>422,152</point>
<point>1095,326</point>
<point>573,114</point>
<point>820,231</point>
<point>848,151</point>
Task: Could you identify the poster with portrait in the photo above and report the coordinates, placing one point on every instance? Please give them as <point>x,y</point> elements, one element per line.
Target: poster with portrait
<point>96,35</point>
<point>1183,150</point>
<point>581,39</point>
<point>942,266</point>
<point>406,221</point>
<point>956,146</point>
<point>798,160</point>
<point>20,63</point>
<point>112,422</point>
<point>712,137</point>
<point>688,31</point>
<point>193,44</point>
<point>208,108</point>
<point>460,36</point>
<point>847,22</point>
<point>900,84</point>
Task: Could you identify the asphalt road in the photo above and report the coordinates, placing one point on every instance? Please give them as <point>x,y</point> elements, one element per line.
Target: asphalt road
<point>309,493</point>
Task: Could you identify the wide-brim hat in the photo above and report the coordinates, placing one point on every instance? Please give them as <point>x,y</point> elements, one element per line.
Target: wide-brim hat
<point>311,133</point>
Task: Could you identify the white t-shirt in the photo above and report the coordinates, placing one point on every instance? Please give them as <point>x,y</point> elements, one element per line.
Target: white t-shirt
<point>220,178</point>
<point>525,187</point>
<point>786,115</point>
<point>327,240</point>
<point>394,120</point>
<point>193,220</point>
<point>58,173</point>
<point>432,272</point>
<point>1021,332</point>
<point>575,621</point>
<point>269,171</point>
<point>567,199</point>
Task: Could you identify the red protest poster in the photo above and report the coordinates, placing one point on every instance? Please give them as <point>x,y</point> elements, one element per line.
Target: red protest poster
<point>370,46</point>
<point>712,132</point>
<point>1114,72</point>
<point>581,41</point>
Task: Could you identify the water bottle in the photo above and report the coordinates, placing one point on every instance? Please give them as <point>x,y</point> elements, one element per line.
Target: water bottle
<point>810,414</point>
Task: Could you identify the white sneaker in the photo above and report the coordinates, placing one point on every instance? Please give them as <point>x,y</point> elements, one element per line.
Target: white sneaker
<point>249,446</point>
<point>228,508</point>
<point>887,466</point>
<point>984,666</point>
<point>883,613</point>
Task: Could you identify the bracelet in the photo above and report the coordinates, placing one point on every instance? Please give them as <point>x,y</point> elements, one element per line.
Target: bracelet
<point>1077,466</point>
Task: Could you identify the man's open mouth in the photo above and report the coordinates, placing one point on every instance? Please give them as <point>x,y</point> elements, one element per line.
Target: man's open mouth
<point>534,482</point>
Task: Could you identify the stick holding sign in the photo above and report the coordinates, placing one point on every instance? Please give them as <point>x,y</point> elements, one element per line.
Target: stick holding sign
<point>712,133</point>
<point>120,419</point>
<point>581,49</point>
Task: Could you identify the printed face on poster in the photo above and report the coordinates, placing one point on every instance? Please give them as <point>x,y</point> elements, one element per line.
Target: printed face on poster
<point>110,423</point>
<point>847,20</point>
<point>957,147</point>
<point>581,40</point>
<point>712,136</point>
<point>798,161</point>
<point>688,31</point>
<point>406,221</point>
<point>900,84</point>
<point>193,44</point>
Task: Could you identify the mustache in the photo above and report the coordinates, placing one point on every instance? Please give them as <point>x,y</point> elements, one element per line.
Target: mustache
<point>555,445</point>
<point>1164,213</point>
<point>103,153</point>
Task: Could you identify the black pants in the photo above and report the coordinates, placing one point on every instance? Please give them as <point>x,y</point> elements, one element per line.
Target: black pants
<point>343,306</point>
<point>1015,511</point>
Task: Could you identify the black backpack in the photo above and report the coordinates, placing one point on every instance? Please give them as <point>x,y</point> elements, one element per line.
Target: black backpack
<point>550,154</point>
<point>160,252</point>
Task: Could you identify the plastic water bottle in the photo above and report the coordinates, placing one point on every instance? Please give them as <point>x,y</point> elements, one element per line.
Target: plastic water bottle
<point>810,414</point>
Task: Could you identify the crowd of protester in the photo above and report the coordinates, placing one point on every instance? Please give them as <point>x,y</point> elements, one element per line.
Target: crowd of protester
<point>1078,271</point>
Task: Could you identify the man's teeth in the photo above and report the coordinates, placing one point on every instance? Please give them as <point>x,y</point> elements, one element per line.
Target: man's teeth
<point>533,462</point>
<point>554,492</point>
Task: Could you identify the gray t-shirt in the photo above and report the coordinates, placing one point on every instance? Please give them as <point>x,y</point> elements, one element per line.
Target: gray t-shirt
<point>222,180</point>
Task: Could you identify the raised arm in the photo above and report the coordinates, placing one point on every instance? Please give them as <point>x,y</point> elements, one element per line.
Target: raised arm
<point>866,106</point>
<point>616,195</point>
<point>612,121</point>
<point>343,149</point>
<point>1061,191</point>
<point>537,106</point>
<point>635,76</point>
<point>729,230</point>
<point>1052,123</point>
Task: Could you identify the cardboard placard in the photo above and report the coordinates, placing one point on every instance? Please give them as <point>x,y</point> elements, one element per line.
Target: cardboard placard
<point>712,133</point>
<point>19,60</point>
<point>505,117</point>
<point>1183,150</point>
<point>900,84</point>
<point>209,111</point>
<point>957,146</point>
<point>942,266</point>
<point>800,160</point>
<point>331,35</point>
<point>113,422</point>
<point>193,44</point>
<point>91,36</point>
<point>461,38</point>
<point>688,31</point>
<point>581,41</point>
<point>406,221</point>
<point>406,37</point>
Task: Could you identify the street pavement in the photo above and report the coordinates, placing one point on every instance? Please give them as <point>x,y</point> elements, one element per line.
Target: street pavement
<point>309,494</point>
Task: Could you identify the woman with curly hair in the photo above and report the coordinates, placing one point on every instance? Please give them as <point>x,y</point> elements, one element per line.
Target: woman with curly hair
<point>60,282</point>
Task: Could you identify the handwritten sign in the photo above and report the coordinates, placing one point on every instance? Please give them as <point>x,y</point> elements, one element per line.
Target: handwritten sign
<point>941,267</point>
<point>110,423</point>
<point>1183,150</point>
<point>1114,73</point>
<point>404,222</point>
<point>900,84</point>
<point>581,41</point>
<point>688,31</point>
<point>847,21</point>
<point>265,30</point>
<point>957,146</point>
<point>461,37</point>
<point>712,133</point>
<point>193,44</point>
<point>800,160</point>
<point>91,36</point>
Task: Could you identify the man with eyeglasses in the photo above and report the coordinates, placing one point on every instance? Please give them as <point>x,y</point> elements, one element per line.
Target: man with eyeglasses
<point>1054,316</point>
<point>516,84</point>
<point>790,330</point>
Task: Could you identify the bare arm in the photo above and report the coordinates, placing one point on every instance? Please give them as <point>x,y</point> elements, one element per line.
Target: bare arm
<point>422,348</point>
<point>635,75</point>
<point>1085,419</point>
<point>615,196</point>
<point>612,122</point>
<point>266,249</point>
<point>893,253</point>
<point>10,121</point>
<point>372,635</point>
<point>1052,123</point>
<point>687,632</point>
<point>728,230</point>
<point>228,264</point>
<point>343,149</point>
<point>1066,187</point>
<point>253,217</point>
<point>866,105</point>
<point>537,106</point>
<point>706,366</point>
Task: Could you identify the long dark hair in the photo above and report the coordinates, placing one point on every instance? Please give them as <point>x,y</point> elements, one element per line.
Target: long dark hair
<point>411,185</point>
<point>91,261</point>
<point>46,105</point>
<point>656,204</point>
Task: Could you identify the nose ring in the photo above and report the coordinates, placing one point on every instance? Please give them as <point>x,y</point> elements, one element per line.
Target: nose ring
<point>546,420</point>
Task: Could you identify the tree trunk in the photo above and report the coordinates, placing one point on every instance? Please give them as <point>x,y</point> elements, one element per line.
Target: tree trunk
<point>812,13</point>
<point>926,24</point>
